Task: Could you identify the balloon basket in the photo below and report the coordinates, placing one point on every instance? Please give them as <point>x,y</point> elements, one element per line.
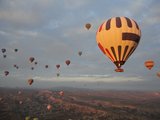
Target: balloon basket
<point>119,70</point>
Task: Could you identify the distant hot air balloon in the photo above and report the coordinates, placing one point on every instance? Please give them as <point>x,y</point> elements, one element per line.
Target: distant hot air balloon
<point>31,59</point>
<point>32,68</point>
<point>58,74</point>
<point>149,64</point>
<point>6,73</point>
<point>58,66</point>
<point>49,107</point>
<point>4,56</point>
<point>68,62</point>
<point>88,26</point>
<point>46,66</point>
<point>15,65</point>
<point>117,38</point>
<point>16,50</point>
<point>30,81</point>
<point>3,50</point>
<point>80,53</point>
<point>158,74</point>
<point>61,93</point>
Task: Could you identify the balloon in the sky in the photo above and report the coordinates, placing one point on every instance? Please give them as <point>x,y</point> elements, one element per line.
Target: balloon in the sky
<point>58,66</point>
<point>3,50</point>
<point>58,74</point>
<point>149,64</point>
<point>16,50</point>
<point>46,66</point>
<point>68,62</point>
<point>80,53</point>
<point>32,68</point>
<point>15,65</point>
<point>35,63</point>
<point>49,107</point>
<point>117,38</point>
<point>4,56</point>
<point>30,81</point>
<point>31,59</point>
<point>88,26</point>
<point>6,73</point>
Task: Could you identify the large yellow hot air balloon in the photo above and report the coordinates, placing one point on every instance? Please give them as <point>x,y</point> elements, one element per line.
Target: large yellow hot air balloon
<point>117,38</point>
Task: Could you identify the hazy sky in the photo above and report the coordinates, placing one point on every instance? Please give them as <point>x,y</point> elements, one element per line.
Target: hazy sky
<point>53,31</point>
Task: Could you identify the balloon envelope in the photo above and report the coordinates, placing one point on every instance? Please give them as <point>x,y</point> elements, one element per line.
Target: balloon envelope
<point>68,62</point>
<point>88,26</point>
<point>6,73</point>
<point>3,50</point>
<point>31,59</point>
<point>80,53</point>
<point>30,81</point>
<point>58,66</point>
<point>149,64</point>
<point>117,38</point>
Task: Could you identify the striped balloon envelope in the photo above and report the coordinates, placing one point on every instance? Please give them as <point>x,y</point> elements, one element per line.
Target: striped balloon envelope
<point>117,38</point>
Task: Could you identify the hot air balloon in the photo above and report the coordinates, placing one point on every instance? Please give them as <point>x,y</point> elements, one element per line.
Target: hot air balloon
<point>49,107</point>
<point>31,59</point>
<point>46,66</point>
<point>16,50</point>
<point>6,73</point>
<point>117,38</point>
<point>58,66</point>
<point>15,65</point>
<point>30,81</point>
<point>58,74</point>
<point>149,64</point>
<point>88,26</point>
<point>35,63</point>
<point>68,62</point>
<point>158,74</point>
<point>32,68</point>
<point>3,50</point>
<point>61,93</point>
<point>80,53</point>
<point>4,56</point>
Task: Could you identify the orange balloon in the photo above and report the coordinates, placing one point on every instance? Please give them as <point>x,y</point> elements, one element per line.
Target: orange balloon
<point>30,81</point>
<point>149,64</point>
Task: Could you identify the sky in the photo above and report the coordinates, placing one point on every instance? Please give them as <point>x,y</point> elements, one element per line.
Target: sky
<point>53,31</point>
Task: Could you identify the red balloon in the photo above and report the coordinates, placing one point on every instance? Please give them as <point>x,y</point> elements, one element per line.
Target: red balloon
<point>68,62</point>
